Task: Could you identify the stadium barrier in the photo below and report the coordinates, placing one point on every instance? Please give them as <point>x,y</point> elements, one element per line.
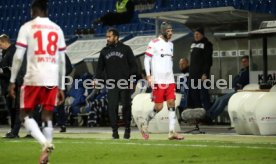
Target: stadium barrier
<point>142,105</point>
<point>253,112</point>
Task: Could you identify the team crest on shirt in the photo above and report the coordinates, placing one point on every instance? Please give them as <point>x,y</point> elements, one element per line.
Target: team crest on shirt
<point>163,55</point>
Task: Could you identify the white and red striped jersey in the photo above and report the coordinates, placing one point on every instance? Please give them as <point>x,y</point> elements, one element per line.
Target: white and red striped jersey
<point>159,61</point>
<point>45,45</point>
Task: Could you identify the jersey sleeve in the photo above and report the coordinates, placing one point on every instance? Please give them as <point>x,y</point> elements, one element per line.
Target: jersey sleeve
<point>150,49</point>
<point>62,44</point>
<point>62,69</point>
<point>147,60</point>
<point>147,65</point>
<point>21,45</point>
<point>22,39</point>
<point>172,47</point>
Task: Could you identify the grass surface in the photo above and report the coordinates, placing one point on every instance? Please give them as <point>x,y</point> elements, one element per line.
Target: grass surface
<point>98,148</point>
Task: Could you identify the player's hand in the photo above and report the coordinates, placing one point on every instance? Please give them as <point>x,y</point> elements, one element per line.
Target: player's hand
<point>61,97</point>
<point>12,90</point>
<point>203,77</point>
<point>149,79</point>
<point>94,83</point>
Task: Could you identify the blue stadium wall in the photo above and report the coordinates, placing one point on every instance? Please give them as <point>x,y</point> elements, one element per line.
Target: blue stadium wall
<point>78,14</point>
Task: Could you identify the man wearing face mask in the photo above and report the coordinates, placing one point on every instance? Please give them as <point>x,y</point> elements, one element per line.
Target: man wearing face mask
<point>199,71</point>
<point>117,63</point>
<point>159,69</point>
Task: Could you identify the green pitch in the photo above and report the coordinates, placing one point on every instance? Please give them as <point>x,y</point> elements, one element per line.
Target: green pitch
<point>98,148</point>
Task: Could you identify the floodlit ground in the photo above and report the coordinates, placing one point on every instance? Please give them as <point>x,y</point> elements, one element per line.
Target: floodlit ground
<point>94,145</point>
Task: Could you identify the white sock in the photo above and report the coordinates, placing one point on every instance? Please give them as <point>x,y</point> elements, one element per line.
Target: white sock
<point>48,130</point>
<point>32,128</point>
<point>172,120</point>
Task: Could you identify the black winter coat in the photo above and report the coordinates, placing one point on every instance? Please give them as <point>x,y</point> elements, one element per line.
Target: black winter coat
<point>116,62</point>
<point>201,59</point>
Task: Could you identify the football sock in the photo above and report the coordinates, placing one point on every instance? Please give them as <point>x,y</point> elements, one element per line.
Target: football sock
<point>48,130</point>
<point>32,127</point>
<point>172,119</point>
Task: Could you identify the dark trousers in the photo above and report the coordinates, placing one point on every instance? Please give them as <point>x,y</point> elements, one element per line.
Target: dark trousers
<point>17,123</point>
<point>62,117</point>
<point>199,98</point>
<point>11,109</point>
<point>14,110</point>
<point>116,96</point>
<point>13,106</point>
<point>218,107</point>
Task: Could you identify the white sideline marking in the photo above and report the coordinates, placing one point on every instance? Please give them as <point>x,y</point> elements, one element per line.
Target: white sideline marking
<point>150,144</point>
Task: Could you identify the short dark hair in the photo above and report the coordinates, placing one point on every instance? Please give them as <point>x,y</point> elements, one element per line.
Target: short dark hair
<point>184,58</point>
<point>41,5</point>
<point>4,38</point>
<point>114,31</point>
<point>200,30</point>
<point>245,57</point>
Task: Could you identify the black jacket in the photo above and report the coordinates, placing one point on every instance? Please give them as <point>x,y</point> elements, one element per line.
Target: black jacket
<point>201,58</point>
<point>242,79</point>
<point>6,64</point>
<point>116,62</point>
<point>186,70</point>
<point>22,71</point>
<point>6,61</point>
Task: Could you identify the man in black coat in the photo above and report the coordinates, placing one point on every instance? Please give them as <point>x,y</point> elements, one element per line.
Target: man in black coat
<point>13,105</point>
<point>200,64</point>
<point>8,50</point>
<point>117,63</point>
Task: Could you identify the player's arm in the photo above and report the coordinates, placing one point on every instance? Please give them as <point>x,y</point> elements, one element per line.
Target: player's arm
<point>147,62</point>
<point>62,70</point>
<point>21,45</point>
<point>16,64</point>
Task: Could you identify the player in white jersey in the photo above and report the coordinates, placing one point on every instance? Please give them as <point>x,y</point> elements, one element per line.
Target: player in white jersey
<point>43,85</point>
<point>159,69</point>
